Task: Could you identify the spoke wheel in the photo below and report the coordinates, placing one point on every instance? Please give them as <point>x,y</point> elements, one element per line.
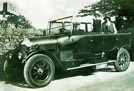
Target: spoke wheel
<point>39,70</point>
<point>123,60</point>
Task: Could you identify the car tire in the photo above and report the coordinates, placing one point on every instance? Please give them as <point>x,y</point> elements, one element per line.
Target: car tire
<point>10,71</point>
<point>6,68</point>
<point>123,60</point>
<point>39,70</point>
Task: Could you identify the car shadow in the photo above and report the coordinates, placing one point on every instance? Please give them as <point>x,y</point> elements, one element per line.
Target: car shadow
<point>20,82</point>
<point>58,76</point>
<point>2,77</point>
<point>107,70</point>
<point>73,73</point>
<point>2,61</point>
<point>2,74</point>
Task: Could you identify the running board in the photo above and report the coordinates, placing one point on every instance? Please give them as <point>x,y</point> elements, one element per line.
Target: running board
<point>88,64</point>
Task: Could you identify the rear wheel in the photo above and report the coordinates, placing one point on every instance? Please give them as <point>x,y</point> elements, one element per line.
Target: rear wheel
<point>9,71</point>
<point>39,70</point>
<point>12,70</point>
<point>123,60</point>
<point>6,68</point>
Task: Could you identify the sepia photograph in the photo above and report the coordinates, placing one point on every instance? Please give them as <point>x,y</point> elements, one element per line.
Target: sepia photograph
<point>66,45</point>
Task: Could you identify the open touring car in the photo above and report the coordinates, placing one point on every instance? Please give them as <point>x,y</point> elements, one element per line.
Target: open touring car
<point>64,47</point>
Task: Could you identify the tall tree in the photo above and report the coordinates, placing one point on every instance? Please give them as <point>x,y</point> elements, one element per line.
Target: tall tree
<point>118,8</point>
<point>112,7</point>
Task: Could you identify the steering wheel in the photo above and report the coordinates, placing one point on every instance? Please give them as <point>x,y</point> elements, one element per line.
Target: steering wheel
<point>63,30</point>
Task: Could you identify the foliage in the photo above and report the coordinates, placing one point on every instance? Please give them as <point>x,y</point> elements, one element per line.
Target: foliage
<point>121,9</point>
<point>13,37</point>
<point>19,22</point>
<point>17,28</point>
<point>110,7</point>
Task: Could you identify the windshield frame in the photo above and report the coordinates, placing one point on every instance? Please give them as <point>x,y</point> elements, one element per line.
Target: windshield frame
<point>63,21</point>
<point>63,25</point>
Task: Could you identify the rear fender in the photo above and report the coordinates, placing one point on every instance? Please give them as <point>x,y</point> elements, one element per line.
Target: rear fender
<point>128,48</point>
<point>113,54</point>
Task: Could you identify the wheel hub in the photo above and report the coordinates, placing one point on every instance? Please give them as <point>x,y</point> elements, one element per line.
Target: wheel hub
<point>122,60</point>
<point>40,71</point>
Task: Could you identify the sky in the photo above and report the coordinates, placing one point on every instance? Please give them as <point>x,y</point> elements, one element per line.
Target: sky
<point>39,12</point>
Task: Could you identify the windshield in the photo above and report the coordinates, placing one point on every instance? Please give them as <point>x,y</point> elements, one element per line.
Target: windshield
<point>60,27</point>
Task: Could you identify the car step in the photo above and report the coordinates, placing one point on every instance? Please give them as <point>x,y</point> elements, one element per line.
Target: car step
<point>88,64</point>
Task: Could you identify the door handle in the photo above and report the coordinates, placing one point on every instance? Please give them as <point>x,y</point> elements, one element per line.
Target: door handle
<point>91,40</point>
<point>116,38</point>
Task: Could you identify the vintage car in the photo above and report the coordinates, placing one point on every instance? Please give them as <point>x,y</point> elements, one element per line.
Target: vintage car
<point>63,47</point>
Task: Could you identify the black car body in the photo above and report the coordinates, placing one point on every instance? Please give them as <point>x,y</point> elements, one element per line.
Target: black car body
<point>42,55</point>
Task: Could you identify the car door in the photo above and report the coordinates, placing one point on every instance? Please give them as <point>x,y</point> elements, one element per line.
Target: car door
<point>88,45</point>
<point>109,41</point>
<point>97,43</point>
<point>123,39</point>
<point>82,46</point>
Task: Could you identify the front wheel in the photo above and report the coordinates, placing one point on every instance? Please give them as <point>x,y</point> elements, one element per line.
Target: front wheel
<point>39,70</point>
<point>123,60</point>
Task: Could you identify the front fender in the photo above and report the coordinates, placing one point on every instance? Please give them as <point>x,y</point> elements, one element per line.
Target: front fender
<point>56,61</point>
